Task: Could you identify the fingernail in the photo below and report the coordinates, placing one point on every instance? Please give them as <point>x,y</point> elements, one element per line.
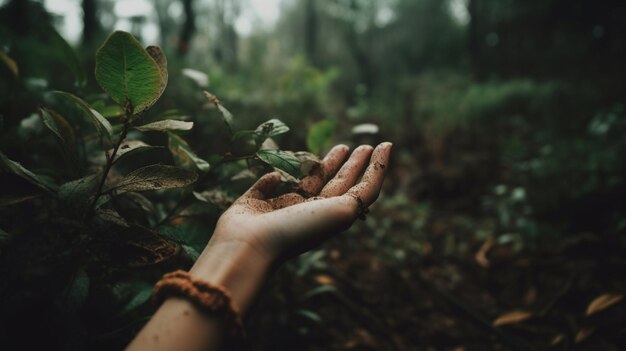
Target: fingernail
<point>387,145</point>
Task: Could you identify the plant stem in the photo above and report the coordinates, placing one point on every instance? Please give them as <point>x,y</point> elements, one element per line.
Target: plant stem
<point>109,164</point>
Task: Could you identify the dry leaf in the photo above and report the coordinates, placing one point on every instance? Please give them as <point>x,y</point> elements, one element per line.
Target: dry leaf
<point>531,296</point>
<point>603,301</point>
<point>324,279</point>
<point>557,339</point>
<point>481,255</point>
<point>583,334</point>
<point>512,317</point>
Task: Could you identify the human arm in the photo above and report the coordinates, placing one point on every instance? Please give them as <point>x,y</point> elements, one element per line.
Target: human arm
<point>257,232</point>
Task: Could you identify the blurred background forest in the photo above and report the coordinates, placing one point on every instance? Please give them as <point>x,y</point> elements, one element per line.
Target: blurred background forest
<point>502,222</point>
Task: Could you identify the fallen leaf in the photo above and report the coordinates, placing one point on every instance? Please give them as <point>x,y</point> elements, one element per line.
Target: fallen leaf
<point>481,255</point>
<point>324,279</point>
<point>557,339</point>
<point>335,254</point>
<point>583,334</point>
<point>603,301</point>
<point>531,296</point>
<point>512,317</point>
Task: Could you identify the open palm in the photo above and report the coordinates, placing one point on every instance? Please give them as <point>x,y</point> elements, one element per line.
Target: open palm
<point>324,203</point>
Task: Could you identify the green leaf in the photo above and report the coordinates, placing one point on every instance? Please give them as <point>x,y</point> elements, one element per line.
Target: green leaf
<point>310,315</point>
<point>166,125</point>
<point>112,111</point>
<point>110,217</point>
<point>281,159</point>
<point>183,155</point>
<point>102,124</point>
<point>323,289</point>
<point>154,177</point>
<point>265,130</point>
<point>191,252</point>
<point>140,201</point>
<point>133,294</point>
<point>4,236</point>
<point>127,72</point>
<point>320,136</point>
<point>77,291</point>
<point>61,128</point>
<point>272,128</point>
<point>10,63</point>
<point>78,194</point>
<point>14,167</point>
<point>130,147</point>
<point>64,53</point>
<point>16,199</point>
<point>216,197</point>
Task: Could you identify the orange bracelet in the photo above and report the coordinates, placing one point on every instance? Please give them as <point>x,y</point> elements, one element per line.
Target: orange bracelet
<point>211,299</point>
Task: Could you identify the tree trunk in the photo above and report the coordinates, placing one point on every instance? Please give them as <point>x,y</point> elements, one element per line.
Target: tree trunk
<point>474,40</point>
<point>188,29</point>
<point>90,22</point>
<point>310,32</point>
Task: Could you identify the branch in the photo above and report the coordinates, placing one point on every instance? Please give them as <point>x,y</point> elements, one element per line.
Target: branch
<point>109,163</point>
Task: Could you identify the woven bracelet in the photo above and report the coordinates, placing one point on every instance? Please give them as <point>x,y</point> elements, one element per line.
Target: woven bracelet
<point>212,300</point>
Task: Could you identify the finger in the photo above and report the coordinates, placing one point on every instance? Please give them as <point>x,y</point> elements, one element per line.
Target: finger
<point>368,188</point>
<point>349,172</point>
<point>286,200</point>
<point>313,183</point>
<point>263,187</point>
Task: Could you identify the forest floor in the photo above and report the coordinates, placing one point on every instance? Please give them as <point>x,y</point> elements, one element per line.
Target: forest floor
<point>420,275</point>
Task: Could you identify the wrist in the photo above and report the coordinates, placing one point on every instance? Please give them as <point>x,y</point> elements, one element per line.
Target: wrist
<point>237,266</point>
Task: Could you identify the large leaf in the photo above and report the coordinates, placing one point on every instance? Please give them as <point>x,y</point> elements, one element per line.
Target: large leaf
<point>102,124</point>
<point>154,177</point>
<point>166,125</point>
<point>183,155</point>
<point>127,72</point>
<point>10,166</point>
<point>284,160</point>
<point>320,136</point>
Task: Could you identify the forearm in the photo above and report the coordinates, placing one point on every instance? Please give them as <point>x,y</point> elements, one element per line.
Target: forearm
<point>179,325</point>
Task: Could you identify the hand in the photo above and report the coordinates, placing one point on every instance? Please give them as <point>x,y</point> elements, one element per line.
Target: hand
<point>258,231</point>
<point>324,203</point>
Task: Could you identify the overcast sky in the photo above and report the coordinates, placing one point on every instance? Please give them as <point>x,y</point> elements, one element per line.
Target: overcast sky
<point>263,12</point>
